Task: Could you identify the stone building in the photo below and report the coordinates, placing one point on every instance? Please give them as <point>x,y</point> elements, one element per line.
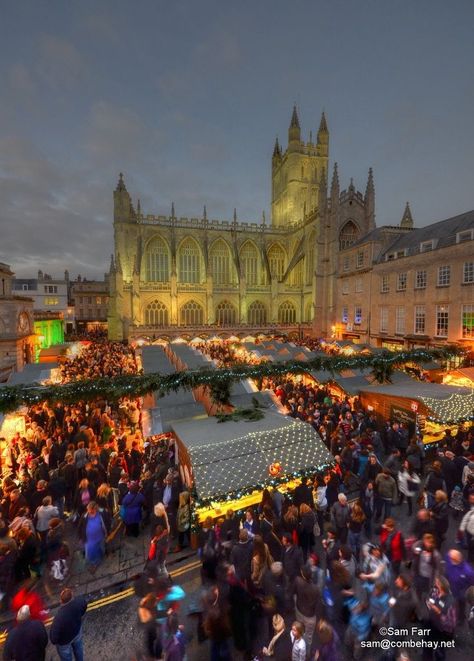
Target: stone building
<point>169,274</point>
<point>50,296</point>
<point>90,299</point>
<point>401,287</point>
<point>17,338</point>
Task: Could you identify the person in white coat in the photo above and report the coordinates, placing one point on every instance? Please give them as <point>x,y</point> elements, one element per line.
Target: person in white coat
<point>408,485</point>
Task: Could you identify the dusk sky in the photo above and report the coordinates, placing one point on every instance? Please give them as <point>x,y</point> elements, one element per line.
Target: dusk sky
<point>186,99</point>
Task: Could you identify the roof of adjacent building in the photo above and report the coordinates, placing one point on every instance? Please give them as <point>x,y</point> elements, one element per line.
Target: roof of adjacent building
<point>400,239</point>
<point>444,232</point>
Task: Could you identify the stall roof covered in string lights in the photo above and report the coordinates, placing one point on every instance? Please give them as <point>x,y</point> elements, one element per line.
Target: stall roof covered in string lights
<point>230,459</point>
<point>442,403</point>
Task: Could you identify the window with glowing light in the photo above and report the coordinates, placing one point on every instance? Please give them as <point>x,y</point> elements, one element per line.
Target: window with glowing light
<point>467,322</point>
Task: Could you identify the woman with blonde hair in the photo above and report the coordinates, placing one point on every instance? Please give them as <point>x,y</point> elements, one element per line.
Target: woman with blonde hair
<point>279,647</point>
<point>159,518</point>
<point>105,498</point>
<point>261,560</point>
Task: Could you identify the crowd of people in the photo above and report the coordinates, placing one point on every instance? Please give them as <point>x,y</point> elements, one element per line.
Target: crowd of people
<point>80,476</point>
<point>309,574</point>
<point>321,570</point>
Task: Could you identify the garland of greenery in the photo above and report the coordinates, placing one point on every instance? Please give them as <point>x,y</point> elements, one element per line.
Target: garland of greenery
<point>219,381</point>
<point>249,414</point>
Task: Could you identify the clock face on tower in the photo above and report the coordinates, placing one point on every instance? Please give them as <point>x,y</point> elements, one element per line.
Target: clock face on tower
<point>23,322</point>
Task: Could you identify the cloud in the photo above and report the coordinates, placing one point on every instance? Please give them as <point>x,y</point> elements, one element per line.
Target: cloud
<point>55,218</point>
<point>100,26</point>
<point>20,79</point>
<point>59,65</point>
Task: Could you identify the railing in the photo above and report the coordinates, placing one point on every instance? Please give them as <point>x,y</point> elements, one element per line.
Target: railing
<point>200,223</point>
<point>214,329</point>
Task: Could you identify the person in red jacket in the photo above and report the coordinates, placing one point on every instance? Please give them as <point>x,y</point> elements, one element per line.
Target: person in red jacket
<point>393,544</point>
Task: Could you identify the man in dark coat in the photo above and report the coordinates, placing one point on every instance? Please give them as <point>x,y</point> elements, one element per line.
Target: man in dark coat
<point>241,557</point>
<point>292,558</point>
<point>66,630</point>
<point>303,494</point>
<point>27,641</point>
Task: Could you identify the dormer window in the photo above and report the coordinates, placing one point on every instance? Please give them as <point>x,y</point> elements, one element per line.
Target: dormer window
<point>391,257</point>
<point>464,236</point>
<point>426,246</point>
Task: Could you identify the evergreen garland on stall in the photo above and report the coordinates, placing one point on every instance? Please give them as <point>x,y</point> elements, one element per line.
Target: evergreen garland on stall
<point>219,381</point>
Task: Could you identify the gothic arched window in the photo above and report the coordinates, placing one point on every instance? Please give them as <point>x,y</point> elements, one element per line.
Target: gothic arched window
<point>348,235</point>
<point>220,263</point>
<point>156,314</point>
<point>226,314</point>
<point>191,314</point>
<point>249,262</point>
<point>189,262</point>
<point>276,259</point>
<point>157,261</point>
<point>257,314</point>
<point>287,313</point>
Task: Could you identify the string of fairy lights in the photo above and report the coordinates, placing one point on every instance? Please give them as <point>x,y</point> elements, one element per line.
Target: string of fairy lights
<point>218,381</point>
<point>230,469</point>
<point>452,409</point>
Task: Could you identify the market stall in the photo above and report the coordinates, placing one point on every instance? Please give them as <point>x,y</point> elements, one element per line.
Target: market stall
<point>461,376</point>
<point>228,464</point>
<point>433,407</point>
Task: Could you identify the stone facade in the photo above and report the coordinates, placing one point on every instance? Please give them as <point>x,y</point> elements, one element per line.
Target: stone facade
<point>169,273</point>
<point>401,287</point>
<point>17,339</point>
<point>91,300</point>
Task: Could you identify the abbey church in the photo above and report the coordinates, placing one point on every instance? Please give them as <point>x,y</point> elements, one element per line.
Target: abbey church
<point>169,272</point>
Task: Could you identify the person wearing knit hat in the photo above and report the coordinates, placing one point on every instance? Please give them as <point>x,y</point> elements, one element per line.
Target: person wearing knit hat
<point>28,640</point>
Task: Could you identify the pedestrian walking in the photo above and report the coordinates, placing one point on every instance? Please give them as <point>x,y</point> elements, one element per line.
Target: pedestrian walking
<point>66,629</point>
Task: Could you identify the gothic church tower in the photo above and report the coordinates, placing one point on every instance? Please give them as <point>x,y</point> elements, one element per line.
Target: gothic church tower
<point>296,173</point>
